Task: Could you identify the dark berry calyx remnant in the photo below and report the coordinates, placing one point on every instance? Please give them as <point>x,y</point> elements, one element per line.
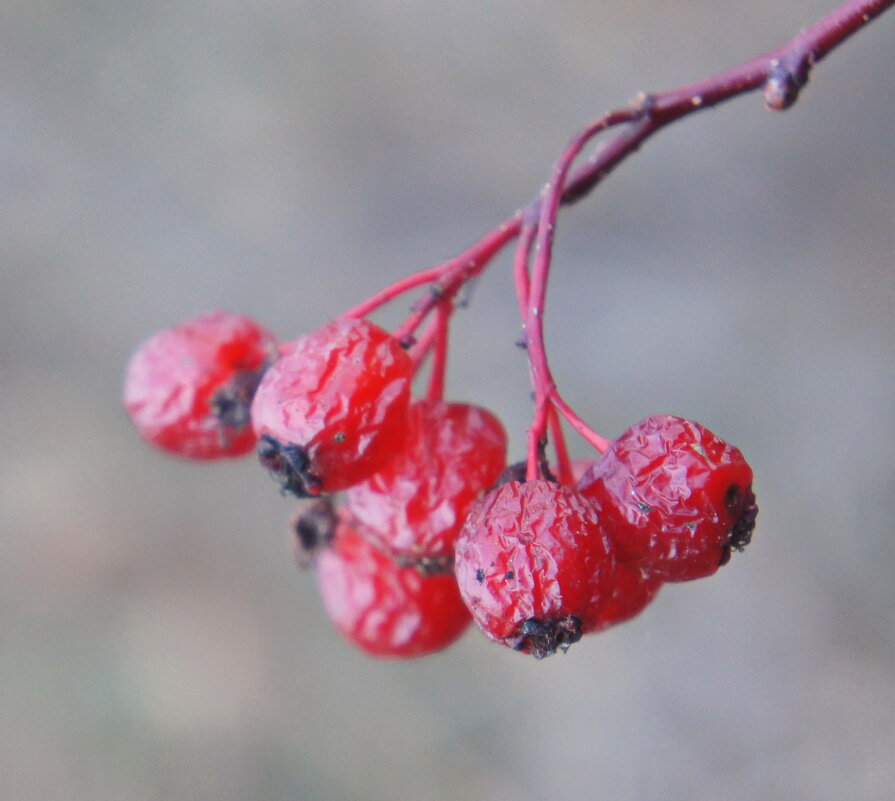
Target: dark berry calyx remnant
<point>314,529</point>
<point>740,534</point>
<point>290,465</point>
<point>542,638</point>
<point>231,404</point>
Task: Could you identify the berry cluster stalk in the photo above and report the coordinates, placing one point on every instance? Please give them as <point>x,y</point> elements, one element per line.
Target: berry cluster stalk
<point>780,73</point>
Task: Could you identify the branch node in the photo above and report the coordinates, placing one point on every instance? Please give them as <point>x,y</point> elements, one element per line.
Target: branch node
<point>643,102</point>
<point>781,89</point>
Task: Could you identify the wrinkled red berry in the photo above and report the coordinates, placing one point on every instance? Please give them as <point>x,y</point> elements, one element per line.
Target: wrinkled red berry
<point>674,497</point>
<point>632,591</point>
<point>332,410</point>
<point>189,388</point>
<point>534,566</point>
<point>414,507</point>
<point>385,609</point>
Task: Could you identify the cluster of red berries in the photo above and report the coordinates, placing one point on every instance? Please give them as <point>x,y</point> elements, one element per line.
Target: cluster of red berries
<point>433,529</point>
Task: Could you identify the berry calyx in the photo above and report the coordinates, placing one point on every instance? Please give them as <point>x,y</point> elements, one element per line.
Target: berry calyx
<point>385,609</point>
<point>414,507</point>
<point>332,410</point>
<point>675,498</point>
<point>188,389</point>
<point>313,529</point>
<point>534,566</point>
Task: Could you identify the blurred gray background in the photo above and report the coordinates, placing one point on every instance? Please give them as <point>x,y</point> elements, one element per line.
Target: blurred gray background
<point>287,159</point>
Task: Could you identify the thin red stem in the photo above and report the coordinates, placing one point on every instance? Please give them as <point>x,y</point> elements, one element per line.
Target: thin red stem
<point>591,436</point>
<point>563,462</point>
<point>535,443</point>
<point>457,271</point>
<point>542,379</point>
<point>423,345</point>
<point>394,290</point>
<point>782,72</point>
<point>440,351</point>
<point>521,278</point>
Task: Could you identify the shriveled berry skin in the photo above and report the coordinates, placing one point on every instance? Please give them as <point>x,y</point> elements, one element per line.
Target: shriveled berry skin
<point>188,389</point>
<point>632,591</point>
<point>674,497</point>
<point>384,609</point>
<point>415,506</point>
<point>534,566</point>
<point>332,410</point>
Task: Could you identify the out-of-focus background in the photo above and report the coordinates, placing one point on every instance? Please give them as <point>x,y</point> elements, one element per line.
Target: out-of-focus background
<point>287,159</point>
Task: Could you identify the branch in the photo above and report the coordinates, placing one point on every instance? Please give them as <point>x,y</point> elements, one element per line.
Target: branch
<point>781,73</point>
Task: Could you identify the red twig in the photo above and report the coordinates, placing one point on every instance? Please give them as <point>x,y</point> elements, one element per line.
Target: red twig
<point>521,278</point>
<point>542,379</point>
<point>563,462</point>
<point>457,271</point>
<point>422,347</point>
<point>780,73</point>
<point>393,290</point>
<point>439,351</point>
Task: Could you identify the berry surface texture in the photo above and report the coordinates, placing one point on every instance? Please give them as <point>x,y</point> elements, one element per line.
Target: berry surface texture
<point>675,498</point>
<point>332,410</point>
<point>534,566</point>
<point>188,388</point>
<point>415,506</point>
<point>384,609</point>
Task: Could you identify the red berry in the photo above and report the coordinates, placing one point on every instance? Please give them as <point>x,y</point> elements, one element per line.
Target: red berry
<point>534,566</point>
<point>674,497</point>
<point>414,507</point>
<point>632,591</point>
<point>332,410</point>
<point>385,609</point>
<point>188,389</point>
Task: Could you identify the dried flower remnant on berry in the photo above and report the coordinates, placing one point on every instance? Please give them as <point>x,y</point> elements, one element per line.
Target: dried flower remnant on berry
<point>313,529</point>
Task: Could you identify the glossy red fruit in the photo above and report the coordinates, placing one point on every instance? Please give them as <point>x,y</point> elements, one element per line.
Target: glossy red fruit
<point>415,506</point>
<point>384,609</point>
<point>189,388</point>
<point>674,497</point>
<point>332,410</point>
<point>632,591</point>
<point>534,566</point>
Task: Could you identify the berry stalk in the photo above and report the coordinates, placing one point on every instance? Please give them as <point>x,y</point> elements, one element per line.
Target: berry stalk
<point>542,378</point>
<point>439,351</point>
